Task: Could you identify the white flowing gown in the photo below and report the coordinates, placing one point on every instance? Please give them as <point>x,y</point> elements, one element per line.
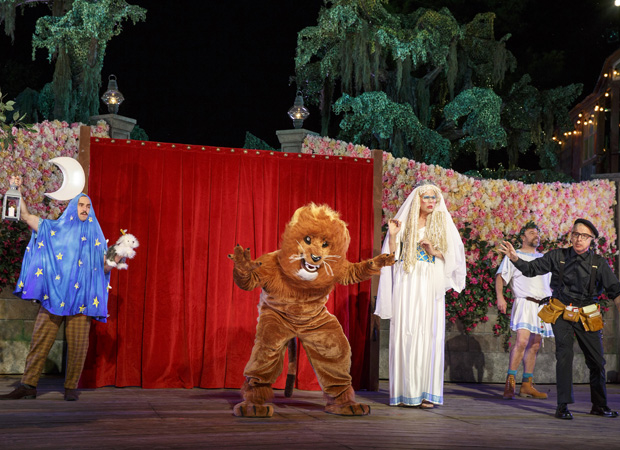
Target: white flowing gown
<point>415,304</point>
<point>417,335</point>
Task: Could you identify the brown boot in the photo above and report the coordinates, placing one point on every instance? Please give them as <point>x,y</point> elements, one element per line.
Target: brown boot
<point>509,389</point>
<point>21,392</point>
<point>71,395</point>
<point>528,390</point>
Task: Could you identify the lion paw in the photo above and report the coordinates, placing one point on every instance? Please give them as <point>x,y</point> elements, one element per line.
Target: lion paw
<point>249,409</point>
<point>385,259</point>
<point>351,409</point>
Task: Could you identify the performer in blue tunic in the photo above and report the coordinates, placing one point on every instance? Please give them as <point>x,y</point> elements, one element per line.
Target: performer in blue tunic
<point>64,270</point>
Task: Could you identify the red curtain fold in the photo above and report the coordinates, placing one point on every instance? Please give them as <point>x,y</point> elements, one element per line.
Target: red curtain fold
<point>176,317</point>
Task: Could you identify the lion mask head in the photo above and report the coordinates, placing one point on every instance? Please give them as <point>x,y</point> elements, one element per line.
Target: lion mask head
<point>314,246</point>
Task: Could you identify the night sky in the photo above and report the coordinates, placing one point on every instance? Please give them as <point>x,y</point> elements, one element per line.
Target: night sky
<point>205,72</point>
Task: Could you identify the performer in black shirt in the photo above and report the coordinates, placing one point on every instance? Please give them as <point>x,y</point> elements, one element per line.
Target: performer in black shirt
<point>578,277</point>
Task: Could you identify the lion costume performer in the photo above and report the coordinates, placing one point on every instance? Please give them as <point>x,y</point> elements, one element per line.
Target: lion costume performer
<point>296,281</point>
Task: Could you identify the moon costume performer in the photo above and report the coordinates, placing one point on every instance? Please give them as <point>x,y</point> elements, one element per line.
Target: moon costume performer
<point>63,266</point>
<point>412,295</point>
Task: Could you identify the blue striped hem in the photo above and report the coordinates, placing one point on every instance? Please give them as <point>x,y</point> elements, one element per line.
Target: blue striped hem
<point>415,401</point>
<point>526,326</point>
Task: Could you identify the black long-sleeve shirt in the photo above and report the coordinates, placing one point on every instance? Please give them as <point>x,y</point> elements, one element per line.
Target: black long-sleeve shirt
<point>574,287</point>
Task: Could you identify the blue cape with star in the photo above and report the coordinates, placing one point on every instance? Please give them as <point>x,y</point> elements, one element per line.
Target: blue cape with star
<point>63,266</point>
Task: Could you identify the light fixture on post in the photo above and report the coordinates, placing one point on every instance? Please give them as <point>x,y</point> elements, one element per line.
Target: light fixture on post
<point>11,203</point>
<point>112,97</point>
<point>298,112</point>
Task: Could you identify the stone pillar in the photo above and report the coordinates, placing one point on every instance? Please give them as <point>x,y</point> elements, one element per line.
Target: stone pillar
<point>120,126</point>
<point>291,140</point>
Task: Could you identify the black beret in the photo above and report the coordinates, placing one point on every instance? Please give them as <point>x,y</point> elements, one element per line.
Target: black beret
<point>588,224</point>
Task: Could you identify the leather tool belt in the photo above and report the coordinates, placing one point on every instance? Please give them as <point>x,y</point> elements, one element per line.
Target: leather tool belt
<point>592,320</point>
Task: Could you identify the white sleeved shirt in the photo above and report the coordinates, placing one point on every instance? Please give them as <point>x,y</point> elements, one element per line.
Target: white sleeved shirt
<point>536,287</point>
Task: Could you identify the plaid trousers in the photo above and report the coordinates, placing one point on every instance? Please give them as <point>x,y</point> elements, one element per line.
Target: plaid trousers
<point>45,330</point>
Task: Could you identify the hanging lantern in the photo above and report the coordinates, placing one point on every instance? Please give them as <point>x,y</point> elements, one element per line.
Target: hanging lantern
<point>11,203</point>
<point>298,112</point>
<point>112,97</point>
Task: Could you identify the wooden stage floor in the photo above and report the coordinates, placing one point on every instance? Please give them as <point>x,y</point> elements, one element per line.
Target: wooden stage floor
<point>473,416</point>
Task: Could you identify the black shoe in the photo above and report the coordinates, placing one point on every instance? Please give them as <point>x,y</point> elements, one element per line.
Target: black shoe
<point>21,392</point>
<point>603,411</point>
<point>71,395</point>
<point>563,413</point>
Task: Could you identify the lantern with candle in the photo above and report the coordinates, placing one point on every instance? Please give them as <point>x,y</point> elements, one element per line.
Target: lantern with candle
<point>11,203</point>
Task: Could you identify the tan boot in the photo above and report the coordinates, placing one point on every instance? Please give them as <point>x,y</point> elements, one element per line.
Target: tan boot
<point>528,390</point>
<point>509,389</point>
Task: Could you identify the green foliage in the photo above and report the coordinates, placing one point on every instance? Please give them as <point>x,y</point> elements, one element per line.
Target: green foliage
<point>46,102</point>
<point>531,117</point>
<point>138,134</point>
<point>526,176</point>
<point>14,119</point>
<point>27,102</point>
<point>442,80</point>
<point>481,109</point>
<point>373,117</point>
<point>75,36</point>
<point>78,39</point>
<point>8,11</point>
<point>255,143</point>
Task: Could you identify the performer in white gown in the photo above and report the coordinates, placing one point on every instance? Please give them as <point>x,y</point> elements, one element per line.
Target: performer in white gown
<point>430,260</point>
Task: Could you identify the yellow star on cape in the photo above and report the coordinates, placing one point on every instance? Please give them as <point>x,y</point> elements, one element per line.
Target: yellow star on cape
<point>58,277</point>
<point>109,287</point>
<point>82,308</point>
<point>41,244</point>
<point>27,249</point>
<point>39,272</point>
<point>83,238</point>
<point>80,263</point>
<point>96,302</point>
<point>76,285</point>
<point>45,297</point>
<point>53,233</point>
<point>90,219</point>
<point>97,243</point>
<point>71,218</point>
<point>62,305</point>
<point>59,256</point>
<point>21,284</point>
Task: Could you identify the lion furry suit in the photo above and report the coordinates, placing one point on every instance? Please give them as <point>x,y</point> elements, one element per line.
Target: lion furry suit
<point>296,281</point>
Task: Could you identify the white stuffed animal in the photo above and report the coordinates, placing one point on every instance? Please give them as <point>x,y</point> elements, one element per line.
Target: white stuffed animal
<point>124,248</point>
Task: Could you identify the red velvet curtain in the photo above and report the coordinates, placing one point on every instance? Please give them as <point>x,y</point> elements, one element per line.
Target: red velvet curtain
<point>176,317</point>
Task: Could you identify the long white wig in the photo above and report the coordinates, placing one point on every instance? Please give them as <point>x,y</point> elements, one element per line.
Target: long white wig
<point>435,228</point>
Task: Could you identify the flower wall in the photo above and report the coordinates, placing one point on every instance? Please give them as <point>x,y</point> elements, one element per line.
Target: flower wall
<point>326,146</point>
<point>488,211</point>
<point>29,157</point>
